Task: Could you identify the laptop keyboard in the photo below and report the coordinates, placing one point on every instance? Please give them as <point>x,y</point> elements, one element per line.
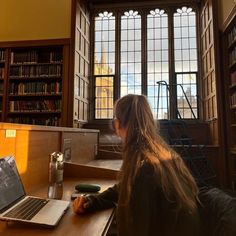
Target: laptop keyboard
<point>27,209</point>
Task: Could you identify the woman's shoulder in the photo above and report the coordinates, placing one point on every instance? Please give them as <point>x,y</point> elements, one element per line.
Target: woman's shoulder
<point>146,171</point>
<point>146,167</point>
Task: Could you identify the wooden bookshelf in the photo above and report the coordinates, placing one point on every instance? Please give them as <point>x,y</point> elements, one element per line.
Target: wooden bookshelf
<point>229,38</point>
<point>33,82</point>
<point>40,99</point>
<point>2,79</point>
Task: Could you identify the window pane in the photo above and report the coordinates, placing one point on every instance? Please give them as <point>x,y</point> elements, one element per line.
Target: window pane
<point>130,53</point>
<point>186,61</point>
<point>104,97</point>
<point>185,39</point>
<point>157,62</point>
<point>104,55</point>
<point>187,95</point>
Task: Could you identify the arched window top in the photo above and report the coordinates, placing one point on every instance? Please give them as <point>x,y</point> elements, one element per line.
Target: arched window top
<point>131,14</point>
<point>185,11</point>
<point>157,12</point>
<point>105,15</point>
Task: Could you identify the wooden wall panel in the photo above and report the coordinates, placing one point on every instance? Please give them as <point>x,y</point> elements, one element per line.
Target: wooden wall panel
<point>83,146</point>
<point>31,150</point>
<point>211,90</point>
<point>32,146</point>
<point>208,77</point>
<point>7,145</point>
<point>81,65</point>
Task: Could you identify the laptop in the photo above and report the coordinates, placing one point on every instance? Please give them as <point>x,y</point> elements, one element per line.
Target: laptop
<point>15,205</point>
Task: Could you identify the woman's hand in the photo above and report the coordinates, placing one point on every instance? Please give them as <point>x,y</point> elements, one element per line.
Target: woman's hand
<point>80,204</point>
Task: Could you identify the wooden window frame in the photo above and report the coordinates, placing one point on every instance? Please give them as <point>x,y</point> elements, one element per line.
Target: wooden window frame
<point>117,11</point>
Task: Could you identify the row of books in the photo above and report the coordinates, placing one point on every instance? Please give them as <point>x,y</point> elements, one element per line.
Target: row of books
<point>51,121</point>
<point>35,88</point>
<point>2,55</point>
<point>21,57</point>
<point>2,70</point>
<point>36,71</point>
<point>232,35</point>
<point>233,78</point>
<point>232,56</point>
<point>233,99</point>
<point>34,57</point>
<point>55,57</point>
<point>35,106</point>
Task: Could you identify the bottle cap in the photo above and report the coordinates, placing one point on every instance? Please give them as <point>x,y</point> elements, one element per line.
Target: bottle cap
<point>56,156</point>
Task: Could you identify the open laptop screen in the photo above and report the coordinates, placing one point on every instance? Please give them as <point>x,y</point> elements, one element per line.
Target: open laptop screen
<point>11,188</point>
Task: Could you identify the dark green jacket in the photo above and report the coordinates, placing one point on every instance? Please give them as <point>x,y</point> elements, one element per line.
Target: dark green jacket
<point>152,213</point>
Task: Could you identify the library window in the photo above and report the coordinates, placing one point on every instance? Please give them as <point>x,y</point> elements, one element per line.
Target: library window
<point>151,52</point>
<point>104,65</point>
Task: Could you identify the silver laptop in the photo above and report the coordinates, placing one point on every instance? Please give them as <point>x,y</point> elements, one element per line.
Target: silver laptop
<point>16,206</point>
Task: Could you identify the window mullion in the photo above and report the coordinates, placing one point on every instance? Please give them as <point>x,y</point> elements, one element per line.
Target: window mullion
<point>144,52</point>
<point>172,76</point>
<point>92,80</point>
<point>117,57</point>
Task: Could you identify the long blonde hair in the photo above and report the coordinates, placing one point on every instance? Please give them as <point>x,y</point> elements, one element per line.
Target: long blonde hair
<point>143,143</point>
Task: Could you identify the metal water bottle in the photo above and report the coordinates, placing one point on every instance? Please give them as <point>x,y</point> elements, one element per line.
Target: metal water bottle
<point>56,165</point>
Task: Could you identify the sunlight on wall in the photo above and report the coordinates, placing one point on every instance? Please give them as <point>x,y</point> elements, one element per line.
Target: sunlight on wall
<point>17,147</point>
<point>22,151</point>
<point>33,20</point>
<point>224,8</point>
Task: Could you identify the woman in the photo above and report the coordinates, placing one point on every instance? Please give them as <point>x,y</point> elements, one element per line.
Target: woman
<point>156,194</point>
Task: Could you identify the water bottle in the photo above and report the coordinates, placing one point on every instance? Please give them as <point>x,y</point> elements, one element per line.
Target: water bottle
<point>56,164</point>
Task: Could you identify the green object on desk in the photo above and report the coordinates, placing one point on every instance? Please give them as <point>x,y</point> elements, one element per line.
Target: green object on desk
<point>91,188</point>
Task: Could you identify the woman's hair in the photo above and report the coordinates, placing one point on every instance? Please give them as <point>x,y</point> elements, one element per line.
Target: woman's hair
<point>143,144</point>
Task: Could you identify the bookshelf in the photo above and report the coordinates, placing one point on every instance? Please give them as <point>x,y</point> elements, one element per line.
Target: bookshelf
<point>2,80</point>
<point>34,78</point>
<point>229,38</point>
<point>35,86</point>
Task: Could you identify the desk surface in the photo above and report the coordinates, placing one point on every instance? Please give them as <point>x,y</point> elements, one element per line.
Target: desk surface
<point>93,224</point>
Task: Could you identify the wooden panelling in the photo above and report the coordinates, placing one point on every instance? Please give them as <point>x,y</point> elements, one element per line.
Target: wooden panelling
<point>83,146</point>
<point>30,157</point>
<point>32,146</point>
<point>208,69</point>
<point>7,145</point>
<point>228,81</point>
<point>211,90</point>
<point>83,171</point>
<point>81,64</point>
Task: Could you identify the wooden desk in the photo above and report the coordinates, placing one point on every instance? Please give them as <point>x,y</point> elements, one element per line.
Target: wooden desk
<point>93,224</point>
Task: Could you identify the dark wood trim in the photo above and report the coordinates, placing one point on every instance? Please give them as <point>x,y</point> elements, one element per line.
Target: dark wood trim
<point>229,19</point>
<point>36,43</point>
<point>226,119</point>
<point>144,51</point>
<point>140,5</point>
<point>229,121</point>
<point>65,87</point>
<point>6,82</point>
<point>172,79</point>
<point>219,94</point>
<point>72,170</point>
<point>117,57</point>
<point>91,66</point>
<point>71,56</point>
<point>200,69</point>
